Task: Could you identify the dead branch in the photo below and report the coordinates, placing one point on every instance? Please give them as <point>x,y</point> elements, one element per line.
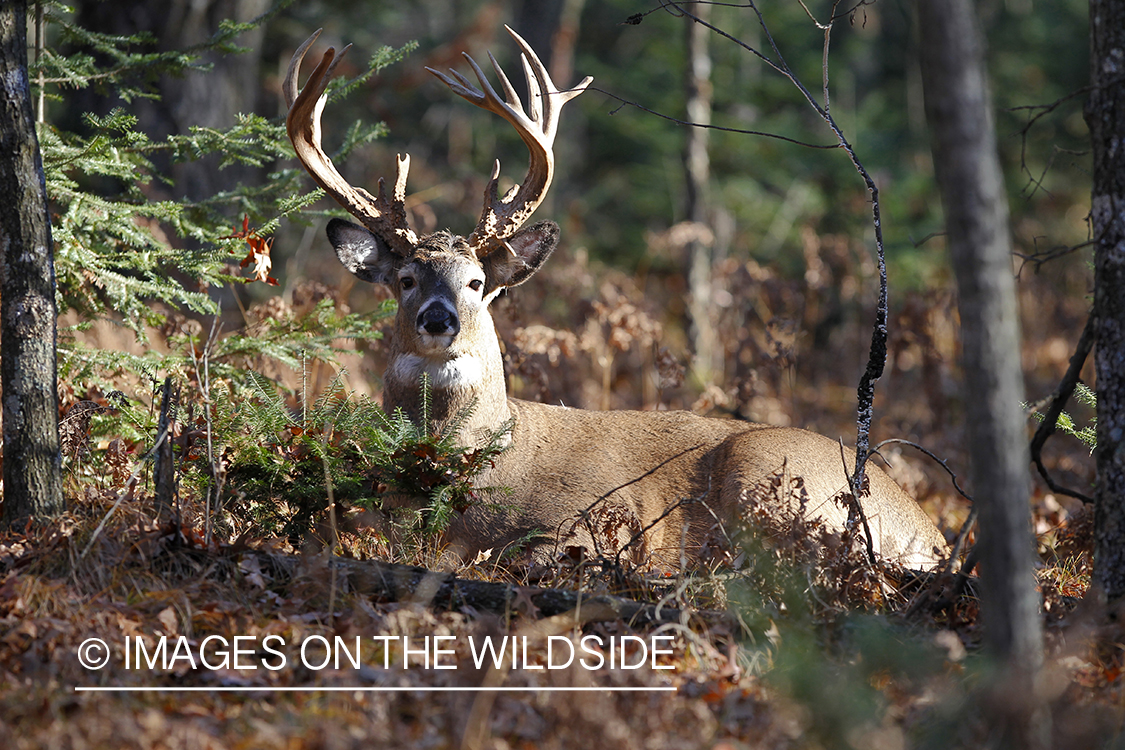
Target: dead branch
<point>1058,401</point>
<point>390,582</point>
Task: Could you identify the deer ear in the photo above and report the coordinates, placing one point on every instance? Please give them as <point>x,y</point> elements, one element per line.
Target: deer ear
<point>529,249</point>
<point>363,253</point>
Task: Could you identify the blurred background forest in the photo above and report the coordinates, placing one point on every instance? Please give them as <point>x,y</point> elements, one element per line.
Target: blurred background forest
<point>786,228</point>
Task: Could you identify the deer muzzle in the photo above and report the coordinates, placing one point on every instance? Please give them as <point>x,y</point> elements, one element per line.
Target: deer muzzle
<point>438,320</point>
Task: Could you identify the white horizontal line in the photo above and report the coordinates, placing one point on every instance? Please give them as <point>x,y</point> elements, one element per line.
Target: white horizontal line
<point>367,689</point>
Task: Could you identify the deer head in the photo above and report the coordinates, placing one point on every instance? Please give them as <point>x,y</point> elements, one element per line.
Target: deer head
<point>443,283</point>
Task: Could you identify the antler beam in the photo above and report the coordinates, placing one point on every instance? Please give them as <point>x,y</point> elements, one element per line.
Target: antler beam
<point>385,217</point>
<point>537,126</point>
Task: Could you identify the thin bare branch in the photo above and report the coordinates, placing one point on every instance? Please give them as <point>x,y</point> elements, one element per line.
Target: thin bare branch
<point>865,391</point>
<point>687,123</point>
<point>1058,401</point>
<point>963,533</point>
<point>1038,259</point>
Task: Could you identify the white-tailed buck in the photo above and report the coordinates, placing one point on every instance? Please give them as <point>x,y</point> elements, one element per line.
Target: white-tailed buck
<point>595,480</point>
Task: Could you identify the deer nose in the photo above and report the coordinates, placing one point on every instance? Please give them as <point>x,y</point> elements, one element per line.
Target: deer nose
<point>438,319</point>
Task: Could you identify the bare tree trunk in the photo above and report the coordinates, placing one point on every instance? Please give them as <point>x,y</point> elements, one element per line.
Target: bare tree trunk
<point>32,462</point>
<point>1105,115</point>
<point>959,112</point>
<point>697,168</point>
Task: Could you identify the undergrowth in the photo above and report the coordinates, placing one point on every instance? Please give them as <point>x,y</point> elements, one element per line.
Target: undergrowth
<point>347,451</point>
<point>250,458</point>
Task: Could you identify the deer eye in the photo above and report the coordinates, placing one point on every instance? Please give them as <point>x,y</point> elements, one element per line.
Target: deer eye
<point>476,284</point>
<point>406,282</point>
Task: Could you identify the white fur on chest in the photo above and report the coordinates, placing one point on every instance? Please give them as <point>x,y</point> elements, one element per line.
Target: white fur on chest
<point>465,371</point>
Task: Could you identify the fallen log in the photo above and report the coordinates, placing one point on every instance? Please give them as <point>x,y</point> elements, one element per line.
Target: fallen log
<point>391,582</point>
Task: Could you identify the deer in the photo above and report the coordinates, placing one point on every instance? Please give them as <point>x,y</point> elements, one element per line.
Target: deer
<point>650,487</point>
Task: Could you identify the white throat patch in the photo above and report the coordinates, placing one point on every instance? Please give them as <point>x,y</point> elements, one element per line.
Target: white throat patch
<point>464,371</point>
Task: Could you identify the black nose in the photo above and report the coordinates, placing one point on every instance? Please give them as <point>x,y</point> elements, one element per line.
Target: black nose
<point>438,319</point>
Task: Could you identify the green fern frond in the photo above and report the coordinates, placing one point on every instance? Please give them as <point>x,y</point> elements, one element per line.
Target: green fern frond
<point>1066,423</point>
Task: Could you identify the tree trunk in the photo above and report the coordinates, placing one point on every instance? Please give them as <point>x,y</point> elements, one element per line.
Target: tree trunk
<point>32,462</point>
<point>959,112</point>
<point>697,169</point>
<point>1105,115</point>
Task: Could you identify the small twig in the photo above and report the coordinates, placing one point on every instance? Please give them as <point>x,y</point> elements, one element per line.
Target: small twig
<point>942,462</point>
<point>963,533</point>
<point>584,515</point>
<point>216,467</point>
<point>918,243</point>
<point>1043,110</point>
<point>331,518</point>
<point>205,382</point>
<point>675,506</point>
<point>857,508</point>
<point>966,569</point>
<point>707,126</point>
<point>1039,259</point>
<point>959,542</point>
<point>125,490</point>
<point>827,29</point>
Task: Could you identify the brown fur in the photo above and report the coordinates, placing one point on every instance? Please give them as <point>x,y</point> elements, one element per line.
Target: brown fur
<point>566,464</point>
<point>658,484</point>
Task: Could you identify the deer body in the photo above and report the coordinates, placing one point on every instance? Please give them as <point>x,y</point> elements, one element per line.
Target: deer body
<point>628,468</point>
<point>654,485</point>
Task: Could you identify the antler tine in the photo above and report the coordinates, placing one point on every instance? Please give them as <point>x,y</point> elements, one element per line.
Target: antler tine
<point>511,98</point>
<point>552,99</point>
<point>535,88</point>
<point>386,217</point>
<point>290,86</point>
<point>488,98</point>
<point>537,126</point>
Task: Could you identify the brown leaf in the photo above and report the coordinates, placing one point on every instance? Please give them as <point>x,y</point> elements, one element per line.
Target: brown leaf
<point>169,621</point>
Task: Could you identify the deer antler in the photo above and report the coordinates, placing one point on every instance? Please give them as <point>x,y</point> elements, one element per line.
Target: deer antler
<point>383,216</point>
<point>501,217</point>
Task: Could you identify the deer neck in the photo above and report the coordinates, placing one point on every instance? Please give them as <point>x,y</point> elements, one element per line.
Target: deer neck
<point>470,379</point>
